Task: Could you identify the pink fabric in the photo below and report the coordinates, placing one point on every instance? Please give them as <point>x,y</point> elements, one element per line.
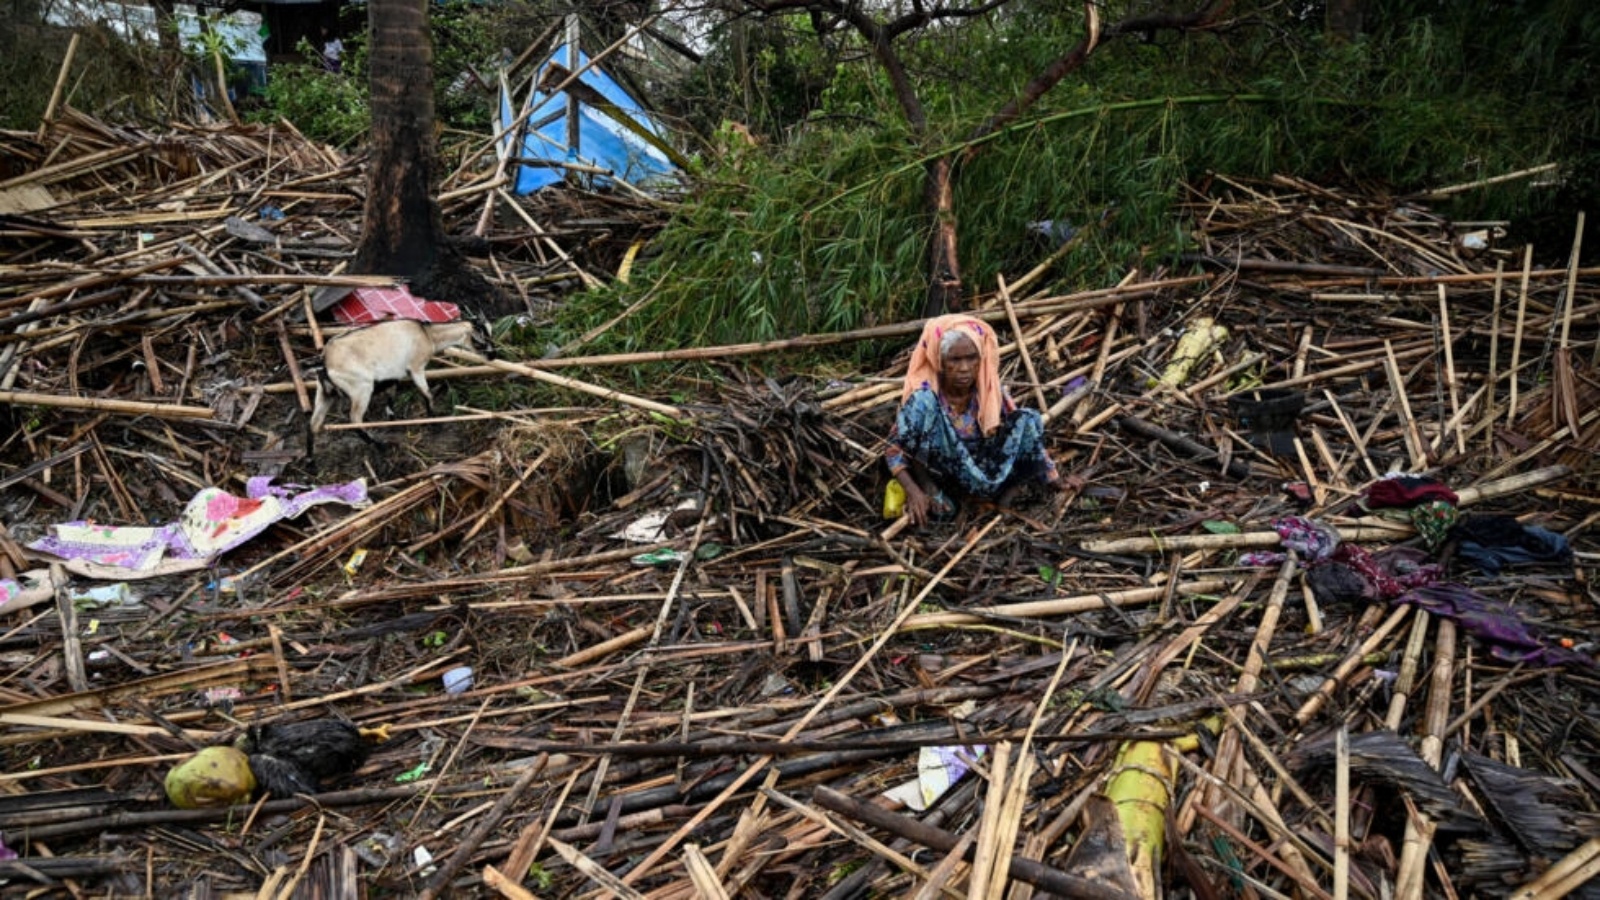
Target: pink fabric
<point>363,306</point>
<point>924,367</point>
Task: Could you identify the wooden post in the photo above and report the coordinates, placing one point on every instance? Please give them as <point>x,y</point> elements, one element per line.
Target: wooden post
<point>61,83</point>
<point>574,35</point>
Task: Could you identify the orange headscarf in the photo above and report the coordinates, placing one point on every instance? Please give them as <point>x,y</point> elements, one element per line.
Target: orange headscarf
<point>925,364</point>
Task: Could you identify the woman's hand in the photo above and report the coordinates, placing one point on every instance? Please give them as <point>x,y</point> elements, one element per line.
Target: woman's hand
<point>918,503</point>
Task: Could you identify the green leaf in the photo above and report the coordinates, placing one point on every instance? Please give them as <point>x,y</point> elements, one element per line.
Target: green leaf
<point>1213,526</point>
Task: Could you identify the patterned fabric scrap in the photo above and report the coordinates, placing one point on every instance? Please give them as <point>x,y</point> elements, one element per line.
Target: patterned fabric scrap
<point>1311,539</point>
<point>212,523</point>
<point>1433,520</point>
<point>1351,573</point>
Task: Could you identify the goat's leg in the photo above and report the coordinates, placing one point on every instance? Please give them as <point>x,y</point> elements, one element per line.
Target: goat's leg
<point>360,394</point>
<point>420,379</point>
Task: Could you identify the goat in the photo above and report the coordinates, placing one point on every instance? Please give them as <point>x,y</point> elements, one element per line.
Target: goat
<point>387,351</point>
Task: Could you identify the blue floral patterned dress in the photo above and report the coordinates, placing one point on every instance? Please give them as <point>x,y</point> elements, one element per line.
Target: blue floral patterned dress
<point>955,451</point>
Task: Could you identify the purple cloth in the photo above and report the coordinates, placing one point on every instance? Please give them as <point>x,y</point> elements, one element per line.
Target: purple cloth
<point>1509,637</point>
<point>1311,539</point>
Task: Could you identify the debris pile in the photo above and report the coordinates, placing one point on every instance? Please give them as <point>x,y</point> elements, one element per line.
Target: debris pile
<point>666,645</point>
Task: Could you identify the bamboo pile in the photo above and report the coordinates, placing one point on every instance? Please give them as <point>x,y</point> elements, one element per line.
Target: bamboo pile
<point>699,656</point>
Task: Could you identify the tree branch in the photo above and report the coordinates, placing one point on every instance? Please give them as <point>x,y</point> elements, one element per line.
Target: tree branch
<point>922,17</point>
<point>1203,18</point>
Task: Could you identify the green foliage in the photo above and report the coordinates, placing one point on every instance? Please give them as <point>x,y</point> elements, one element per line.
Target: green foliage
<point>465,37</point>
<point>128,78</point>
<point>332,106</point>
<point>763,253</point>
<point>326,106</point>
<point>823,226</point>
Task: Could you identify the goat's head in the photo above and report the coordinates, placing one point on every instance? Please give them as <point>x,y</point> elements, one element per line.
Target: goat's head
<point>482,333</point>
<point>460,333</point>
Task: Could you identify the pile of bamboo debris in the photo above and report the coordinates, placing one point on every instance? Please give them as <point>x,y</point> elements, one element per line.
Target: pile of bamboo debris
<point>699,659</point>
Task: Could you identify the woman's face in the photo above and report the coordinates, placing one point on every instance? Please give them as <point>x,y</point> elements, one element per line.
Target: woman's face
<point>958,371</point>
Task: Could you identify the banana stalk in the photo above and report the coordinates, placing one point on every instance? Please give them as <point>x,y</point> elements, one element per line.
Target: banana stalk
<point>1141,788</point>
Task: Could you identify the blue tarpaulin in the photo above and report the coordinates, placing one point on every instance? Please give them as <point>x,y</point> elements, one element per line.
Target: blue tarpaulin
<point>603,140</point>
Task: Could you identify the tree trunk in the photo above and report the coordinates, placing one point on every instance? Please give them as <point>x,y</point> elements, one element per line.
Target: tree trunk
<point>401,226</point>
<point>944,284</point>
<point>402,232</point>
<point>944,262</point>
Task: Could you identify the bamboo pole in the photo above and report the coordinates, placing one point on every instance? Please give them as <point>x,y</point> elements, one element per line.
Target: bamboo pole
<point>1022,346</point>
<point>1061,606</point>
<point>1516,336</point>
<point>1229,759</point>
<point>1442,193</point>
<point>1339,371</point>
<point>671,412</point>
<point>98,404</point>
<point>1341,807</point>
<point>1570,873</point>
<point>61,83</point>
<point>1450,377</point>
<point>1354,660</point>
<point>1419,828</point>
<point>1363,532</point>
<point>1028,308</point>
<point>1397,385</point>
<point>1494,349</point>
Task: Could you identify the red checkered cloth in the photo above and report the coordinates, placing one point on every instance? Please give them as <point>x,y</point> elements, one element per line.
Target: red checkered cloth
<point>363,306</point>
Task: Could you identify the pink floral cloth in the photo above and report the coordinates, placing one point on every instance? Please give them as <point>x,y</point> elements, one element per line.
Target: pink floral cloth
<point>212,523</point>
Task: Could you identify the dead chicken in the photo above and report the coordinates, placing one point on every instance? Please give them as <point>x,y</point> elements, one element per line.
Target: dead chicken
<point>291,758</point>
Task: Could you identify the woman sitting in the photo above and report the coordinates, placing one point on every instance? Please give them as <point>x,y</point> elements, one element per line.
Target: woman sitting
<point>958,429</point>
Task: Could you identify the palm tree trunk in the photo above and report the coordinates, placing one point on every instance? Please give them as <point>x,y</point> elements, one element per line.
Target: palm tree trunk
<point>401,229</point>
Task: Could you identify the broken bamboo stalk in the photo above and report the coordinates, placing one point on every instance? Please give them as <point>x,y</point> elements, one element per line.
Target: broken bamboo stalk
<point>1061,606</point>
<point>1451,383</point>
<point>1569,873</point>
<point>1410,871</point>
<point>474,838</point>
<point>60,85</point>
<point>1516,336</point>
<point>98,404</point>
<point>1354,660</point>
<point>1235,468</point>
<point>1186,542</point>
<point>594,390</point>
<point>1022,345</point>
<point>1026,870</point>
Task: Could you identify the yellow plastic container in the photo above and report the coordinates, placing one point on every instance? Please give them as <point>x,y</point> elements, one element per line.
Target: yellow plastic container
<point>894,500</point>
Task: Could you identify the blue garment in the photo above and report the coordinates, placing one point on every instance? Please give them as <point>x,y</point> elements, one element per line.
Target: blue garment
<point>1494,542</point>
<point>950,445</point>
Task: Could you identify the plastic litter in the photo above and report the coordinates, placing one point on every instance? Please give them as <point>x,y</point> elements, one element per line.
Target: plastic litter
<point>938,769</point>
<point>458,680</point>
<point>894,500</point>
<point>104,595</point>
<point>1202,337</point>
<point>662,557</point>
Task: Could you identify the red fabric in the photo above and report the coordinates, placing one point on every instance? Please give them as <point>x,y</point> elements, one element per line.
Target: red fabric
<point>1407,491</point>
<point>364,306</point>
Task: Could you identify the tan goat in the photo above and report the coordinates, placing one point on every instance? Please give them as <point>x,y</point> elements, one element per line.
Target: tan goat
<point>387,351</point>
